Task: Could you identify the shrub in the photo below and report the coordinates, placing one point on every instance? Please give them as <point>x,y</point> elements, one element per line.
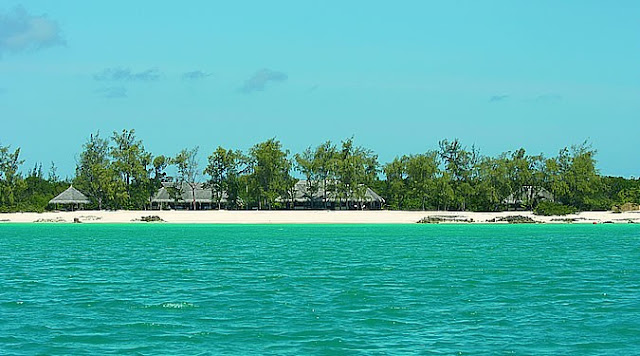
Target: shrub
<point>625,207</point>
<point>548,208</point>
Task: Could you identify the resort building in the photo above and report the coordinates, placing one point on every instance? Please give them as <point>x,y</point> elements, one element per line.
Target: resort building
<point>528,196</point>
<point>71,199</point>
<point>367,199</point>
<point>186,195</point>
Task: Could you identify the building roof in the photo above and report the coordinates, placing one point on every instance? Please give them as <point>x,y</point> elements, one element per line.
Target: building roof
<point>70,196</point>
<point>537,193</point>
<point>202,193</point>
<point>302,195</point>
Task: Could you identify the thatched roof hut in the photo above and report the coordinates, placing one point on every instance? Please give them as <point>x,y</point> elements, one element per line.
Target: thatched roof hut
<point>302,194</point>
<point>528,193</point>
<point>70,196</point>
<point>185,193</point>
<point>204,197</point>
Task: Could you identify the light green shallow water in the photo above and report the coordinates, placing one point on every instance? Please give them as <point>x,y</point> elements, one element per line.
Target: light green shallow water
<point>329,289</point>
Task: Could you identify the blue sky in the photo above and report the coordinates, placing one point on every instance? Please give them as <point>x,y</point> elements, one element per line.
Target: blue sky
<point>398,76</point>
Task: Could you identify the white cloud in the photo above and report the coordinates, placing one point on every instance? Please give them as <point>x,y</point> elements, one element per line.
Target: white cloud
<point>20,31</point>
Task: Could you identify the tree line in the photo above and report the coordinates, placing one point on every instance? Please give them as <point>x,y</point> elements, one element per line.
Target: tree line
<point>118,172</point>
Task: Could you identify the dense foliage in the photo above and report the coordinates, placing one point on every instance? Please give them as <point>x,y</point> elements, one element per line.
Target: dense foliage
<point>118,173</point>
<point>456,178</point>
<point>25,193</point>
<point>549,208</point>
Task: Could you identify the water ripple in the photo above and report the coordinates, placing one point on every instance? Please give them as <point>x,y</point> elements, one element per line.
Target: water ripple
<point>95,289</point>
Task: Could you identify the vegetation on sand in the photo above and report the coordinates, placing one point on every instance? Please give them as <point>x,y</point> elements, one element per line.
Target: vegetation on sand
<point>119,173</point>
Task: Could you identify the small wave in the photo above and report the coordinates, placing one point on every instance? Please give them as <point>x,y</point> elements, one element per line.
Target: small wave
<point>152,325</point>
<point>183,305</point>
<point>170,305</point>
<point>12,304</point>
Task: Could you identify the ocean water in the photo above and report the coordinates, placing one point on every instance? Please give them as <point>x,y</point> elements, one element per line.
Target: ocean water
<point>325,289</point>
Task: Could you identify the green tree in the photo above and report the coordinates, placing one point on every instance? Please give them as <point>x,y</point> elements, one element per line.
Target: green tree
<point>270,177</point>
<point>573,179</point>
<point>325,165</point>
<point>356,169</point>
<point>130,161</point>
<point>620,190</point>
<point>396,182</point>
<point>460,164</point>
<point>160,163</point>
<point>583,178</point>
<point>38,190</point>
<point>157,175</point>
<point>53,173</point>
<point>94,174</point>
<point>241,191</point>
<point>307,164</point>
<point>444,192</point>
<point>493,186</point>
<point>525,177</point>
<point>11,182</point>
<point>628,195</point>
<point>422,170</point>
<point>223,169</point>
<point>186,162</point>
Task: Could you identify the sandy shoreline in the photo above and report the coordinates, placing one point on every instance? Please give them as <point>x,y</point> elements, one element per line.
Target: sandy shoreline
<point>310,217</point>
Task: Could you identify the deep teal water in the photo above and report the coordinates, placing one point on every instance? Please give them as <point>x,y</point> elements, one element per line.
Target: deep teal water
<point>304,289</point>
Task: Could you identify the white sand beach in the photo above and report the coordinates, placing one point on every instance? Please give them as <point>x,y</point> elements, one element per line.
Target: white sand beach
<point>310,217</point>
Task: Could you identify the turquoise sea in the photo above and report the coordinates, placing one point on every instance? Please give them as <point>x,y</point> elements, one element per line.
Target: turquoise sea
<point>319,289</point>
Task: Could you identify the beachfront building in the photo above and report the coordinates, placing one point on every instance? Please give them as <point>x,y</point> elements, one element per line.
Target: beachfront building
<point>71,199</point>
<point>527,197</point>
<point>186,195</point>
<point>302,198</point>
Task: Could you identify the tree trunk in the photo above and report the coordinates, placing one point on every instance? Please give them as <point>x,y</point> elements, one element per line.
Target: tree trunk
<point>324,193</point>
<point>193,194</point>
